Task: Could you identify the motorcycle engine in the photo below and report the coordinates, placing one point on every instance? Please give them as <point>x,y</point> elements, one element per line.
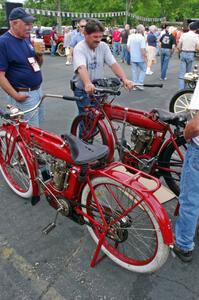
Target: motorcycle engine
<point>141,140</point>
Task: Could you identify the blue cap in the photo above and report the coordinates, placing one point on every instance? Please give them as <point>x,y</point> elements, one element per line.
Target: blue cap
<point>20,13</point>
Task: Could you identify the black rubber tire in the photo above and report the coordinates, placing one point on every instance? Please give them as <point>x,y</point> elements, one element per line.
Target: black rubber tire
<point>166,162</point>
<point>175,98</point>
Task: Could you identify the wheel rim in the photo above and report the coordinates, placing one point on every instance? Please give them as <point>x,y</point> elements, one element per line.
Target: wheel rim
<point>182,103</point>
<point>61,49</point>
<point>175,166</point>
<point>16,172</point>
<point>83,130</point>
<point>140,246</point>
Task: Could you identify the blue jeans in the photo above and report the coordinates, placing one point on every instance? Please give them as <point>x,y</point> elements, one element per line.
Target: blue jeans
<point>165,55</point>
<point>36,117</point>
<point>116,48</point>
<point>53,49</point>
<point>138,70</point>
<point>125,55</point>
<point>189,200</point>
<point>186,60</point>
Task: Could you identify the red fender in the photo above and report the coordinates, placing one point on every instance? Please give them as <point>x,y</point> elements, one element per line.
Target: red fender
<point>32,167</point>
<point>132,182</point>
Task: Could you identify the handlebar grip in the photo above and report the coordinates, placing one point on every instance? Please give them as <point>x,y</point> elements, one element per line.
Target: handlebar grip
<point>72,98</point>
<point>160,85</point>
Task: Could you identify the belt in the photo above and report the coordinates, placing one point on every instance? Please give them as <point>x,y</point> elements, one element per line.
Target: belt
<point>188,51</point>
<point>26,89</point>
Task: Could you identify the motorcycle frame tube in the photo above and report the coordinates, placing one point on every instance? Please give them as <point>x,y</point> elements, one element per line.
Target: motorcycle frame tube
<point>135,117</point>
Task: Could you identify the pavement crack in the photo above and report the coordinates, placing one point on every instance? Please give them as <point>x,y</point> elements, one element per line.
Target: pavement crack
<point>179,283</point>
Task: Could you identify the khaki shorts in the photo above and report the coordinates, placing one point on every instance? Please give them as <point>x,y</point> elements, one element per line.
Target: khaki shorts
<point>151,53</point>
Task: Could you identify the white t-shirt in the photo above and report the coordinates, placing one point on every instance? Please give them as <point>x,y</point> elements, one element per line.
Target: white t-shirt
<point>189,40</point>
<point>93,60</point>
<point>135,43</point>
<point>194,105</point>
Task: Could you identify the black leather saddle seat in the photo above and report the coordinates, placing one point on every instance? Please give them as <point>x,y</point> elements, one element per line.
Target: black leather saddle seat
<point>169,117</point>
<point>83,153</point>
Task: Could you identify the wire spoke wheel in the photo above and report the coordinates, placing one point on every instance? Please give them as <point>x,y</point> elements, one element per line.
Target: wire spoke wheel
<point>171,160</point>
<point>181,101</point>
<point>134,241</point>
<point>83,128</point>
<point>14,167</point>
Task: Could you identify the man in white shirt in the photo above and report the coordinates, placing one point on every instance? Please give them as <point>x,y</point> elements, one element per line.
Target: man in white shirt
<point>136,45</point>
<point>188,45</point>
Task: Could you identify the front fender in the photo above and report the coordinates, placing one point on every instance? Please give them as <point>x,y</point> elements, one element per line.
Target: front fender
<point>32,168</point>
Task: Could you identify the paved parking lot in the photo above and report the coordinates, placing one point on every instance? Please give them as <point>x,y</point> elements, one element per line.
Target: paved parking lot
<point>33,266</point>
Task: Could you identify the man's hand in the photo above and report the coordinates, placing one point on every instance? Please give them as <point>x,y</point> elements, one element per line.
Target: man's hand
<point>128,84</point>
<point>89,88</point>
<point>21,97</point>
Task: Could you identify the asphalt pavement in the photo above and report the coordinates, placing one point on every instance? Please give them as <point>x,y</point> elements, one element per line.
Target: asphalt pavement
<point>56,266</point>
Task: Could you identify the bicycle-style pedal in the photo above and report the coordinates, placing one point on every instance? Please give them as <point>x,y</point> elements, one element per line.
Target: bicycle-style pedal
<point>49,228</point>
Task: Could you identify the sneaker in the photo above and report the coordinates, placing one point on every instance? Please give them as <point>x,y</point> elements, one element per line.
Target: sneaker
<point>165,78</point>
<point>68,63</point>
<point>185,256</point>
<point>140,87</point>
<point>149,72</point>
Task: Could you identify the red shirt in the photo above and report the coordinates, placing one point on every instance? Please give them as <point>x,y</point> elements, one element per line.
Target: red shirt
<point>116,36</point>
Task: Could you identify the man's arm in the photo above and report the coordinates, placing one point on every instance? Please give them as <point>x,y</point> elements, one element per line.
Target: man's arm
<point>192,128</point>
<point>143,51</point>
<point>39,58</point>
<point>84,76</point>
<point>7,87</point>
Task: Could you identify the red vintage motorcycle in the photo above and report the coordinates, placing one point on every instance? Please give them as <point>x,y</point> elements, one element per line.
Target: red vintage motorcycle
<point>122,215</point>
<point>149,141</point>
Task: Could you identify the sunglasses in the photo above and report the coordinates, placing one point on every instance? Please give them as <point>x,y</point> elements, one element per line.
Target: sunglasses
<point>82,26</point>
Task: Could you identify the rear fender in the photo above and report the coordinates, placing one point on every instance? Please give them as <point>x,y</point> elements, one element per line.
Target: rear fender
<point>131,181</point>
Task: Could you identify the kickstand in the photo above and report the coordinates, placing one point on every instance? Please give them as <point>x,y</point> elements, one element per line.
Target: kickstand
<point>52,225</point>
<point>95,260</point>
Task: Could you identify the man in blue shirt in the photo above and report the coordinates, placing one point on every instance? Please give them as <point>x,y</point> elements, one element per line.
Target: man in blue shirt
<point>77,37</point>
<point>20,75</point>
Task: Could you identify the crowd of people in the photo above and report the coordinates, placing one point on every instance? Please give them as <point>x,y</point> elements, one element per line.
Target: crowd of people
<point>140,46</point>
<point>21,79</point>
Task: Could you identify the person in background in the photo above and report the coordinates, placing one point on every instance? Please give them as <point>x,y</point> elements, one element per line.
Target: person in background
<point>20,74</point>
<point>89,59</point>
<point>188,45</point>
<point>67,40</point>
<point>116,42</point>
<point>125,55</point>
<point>53,40</point>
<point>151,49</point>
<point>137,47</point>
<point>38,32</point>
<point>77,37</point>
<point>167,48</point>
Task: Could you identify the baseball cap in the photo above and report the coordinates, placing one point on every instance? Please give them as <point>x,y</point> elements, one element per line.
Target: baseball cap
<point>194,25</point>
<point>20,13</point>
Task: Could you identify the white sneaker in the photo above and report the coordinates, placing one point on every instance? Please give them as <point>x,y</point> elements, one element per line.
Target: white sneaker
<point>140,87</point>
<point>148,72</point>
<point>68,63</point>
